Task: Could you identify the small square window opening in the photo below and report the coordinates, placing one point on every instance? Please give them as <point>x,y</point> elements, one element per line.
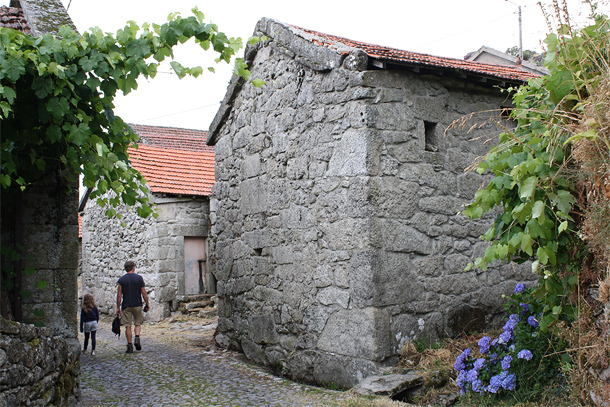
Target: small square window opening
<point>431,137</point>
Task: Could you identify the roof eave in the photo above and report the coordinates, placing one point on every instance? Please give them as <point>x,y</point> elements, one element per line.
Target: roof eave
<point>478,77</point>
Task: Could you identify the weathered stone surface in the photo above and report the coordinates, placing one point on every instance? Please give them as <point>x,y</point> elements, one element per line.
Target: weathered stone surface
<point>336,233</point>
<point>46,218</point>
<point>34,365</point>
<point>198,304</point>
<point>388,385</point>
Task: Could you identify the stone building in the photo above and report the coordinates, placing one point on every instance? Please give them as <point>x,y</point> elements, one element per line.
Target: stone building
<point>39,366</point>
<point>335,226</point>
<point>170,250</point>
<point>493,56</point>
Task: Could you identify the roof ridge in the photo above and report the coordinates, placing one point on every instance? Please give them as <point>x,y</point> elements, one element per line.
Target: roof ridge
<point>165,127</point>
<point>418,58</point>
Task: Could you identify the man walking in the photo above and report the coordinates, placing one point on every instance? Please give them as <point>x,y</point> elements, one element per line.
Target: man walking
<point>130,291</point>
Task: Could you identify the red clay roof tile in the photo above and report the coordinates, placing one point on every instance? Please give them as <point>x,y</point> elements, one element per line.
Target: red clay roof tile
<point>174,160</point>
<point>398,56</point>
<point>12,17</point>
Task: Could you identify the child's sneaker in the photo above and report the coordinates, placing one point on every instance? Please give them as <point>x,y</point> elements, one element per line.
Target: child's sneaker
<point>129,348</point>
<point>92,353</point>
<point>136,343</point>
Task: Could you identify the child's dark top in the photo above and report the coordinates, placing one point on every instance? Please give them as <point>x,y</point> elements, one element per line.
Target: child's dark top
<point>92,315</point>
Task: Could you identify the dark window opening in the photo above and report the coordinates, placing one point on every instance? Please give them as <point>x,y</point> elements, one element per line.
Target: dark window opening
<point>430,134</point>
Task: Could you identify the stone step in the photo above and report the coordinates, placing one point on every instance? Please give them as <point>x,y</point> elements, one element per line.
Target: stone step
<point>199,304</point>
<point>195,297</point>
<point>208,313</point>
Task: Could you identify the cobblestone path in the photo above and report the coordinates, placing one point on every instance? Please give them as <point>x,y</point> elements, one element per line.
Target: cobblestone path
<point>177,366</point>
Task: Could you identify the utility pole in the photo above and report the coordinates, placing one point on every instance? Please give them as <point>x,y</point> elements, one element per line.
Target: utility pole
<point>520,31</point>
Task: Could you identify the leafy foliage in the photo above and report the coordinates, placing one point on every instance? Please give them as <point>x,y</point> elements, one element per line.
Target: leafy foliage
<point>551,182</point>
<point>532,180</point>
<point>528,55</point>
<point>56,101</point>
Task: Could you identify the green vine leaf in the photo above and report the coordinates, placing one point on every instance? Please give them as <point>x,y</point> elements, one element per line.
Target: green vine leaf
<point>57,100</point>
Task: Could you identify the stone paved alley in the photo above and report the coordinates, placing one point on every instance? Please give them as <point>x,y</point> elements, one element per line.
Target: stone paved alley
<point>178,366</point>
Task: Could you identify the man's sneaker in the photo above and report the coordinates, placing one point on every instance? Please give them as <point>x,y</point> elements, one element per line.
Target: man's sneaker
<point>136,343</point>
<point>92,353</point>
<point>129,348</point>
<point>84,350</point>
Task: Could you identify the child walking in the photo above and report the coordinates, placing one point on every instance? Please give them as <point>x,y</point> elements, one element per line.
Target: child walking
<point>89,317</point>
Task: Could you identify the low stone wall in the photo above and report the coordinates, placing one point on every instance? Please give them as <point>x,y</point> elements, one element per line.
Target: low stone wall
<point>36,367</point>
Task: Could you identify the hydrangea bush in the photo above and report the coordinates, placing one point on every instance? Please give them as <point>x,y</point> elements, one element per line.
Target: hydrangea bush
<point>522,359</point>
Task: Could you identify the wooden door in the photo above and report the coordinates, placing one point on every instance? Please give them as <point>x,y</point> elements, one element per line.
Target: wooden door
<point>194,265</point>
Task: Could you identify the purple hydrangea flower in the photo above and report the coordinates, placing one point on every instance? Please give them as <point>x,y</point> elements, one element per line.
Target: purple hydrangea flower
<point>478,386</point>
<point>525,307</point>
<point>494,342</point>
<point>519,288</point>
<point>479,363</point>
<point>525,354</point>
<point>461,378</point>
<point>506,362</point>
<point>495,383</point>
<point>459,361</point>
<point>509,382</point>
<point>505,337</point>
<point>512,322</point>
<point>461,381</point>
<point>472,375</point>
<point>532,321</point>
<point>484,344</point>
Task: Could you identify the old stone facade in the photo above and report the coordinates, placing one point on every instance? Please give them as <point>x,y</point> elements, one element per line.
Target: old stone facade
<point>336,231</point>
<point>41,221</point>
<point>179,170</point>
<point>38,367</point>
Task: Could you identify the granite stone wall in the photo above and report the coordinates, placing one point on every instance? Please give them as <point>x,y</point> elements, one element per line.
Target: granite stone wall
<point>156,245</point>
<point>336,233</point>
<point>41,365</point>
<point>37,367</point>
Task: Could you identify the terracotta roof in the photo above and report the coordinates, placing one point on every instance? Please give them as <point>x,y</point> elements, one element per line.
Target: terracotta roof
<point>13,17</point>
<point>171,137</point>
<point>174,160</point>
<point>393,55</point>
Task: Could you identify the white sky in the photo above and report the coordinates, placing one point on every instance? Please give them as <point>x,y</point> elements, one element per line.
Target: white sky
<point>449,28</point>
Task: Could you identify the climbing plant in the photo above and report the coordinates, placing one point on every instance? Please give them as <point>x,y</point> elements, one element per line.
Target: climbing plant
<point>550,188</point>
<point>56,101</point>
<point>534,182</point>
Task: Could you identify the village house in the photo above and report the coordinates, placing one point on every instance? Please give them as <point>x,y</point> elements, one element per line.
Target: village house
<point>493,56</point>
<point>170,251</point>
<point>336,234</point>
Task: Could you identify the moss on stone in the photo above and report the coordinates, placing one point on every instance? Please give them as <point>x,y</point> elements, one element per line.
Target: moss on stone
<point>65,383</point>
